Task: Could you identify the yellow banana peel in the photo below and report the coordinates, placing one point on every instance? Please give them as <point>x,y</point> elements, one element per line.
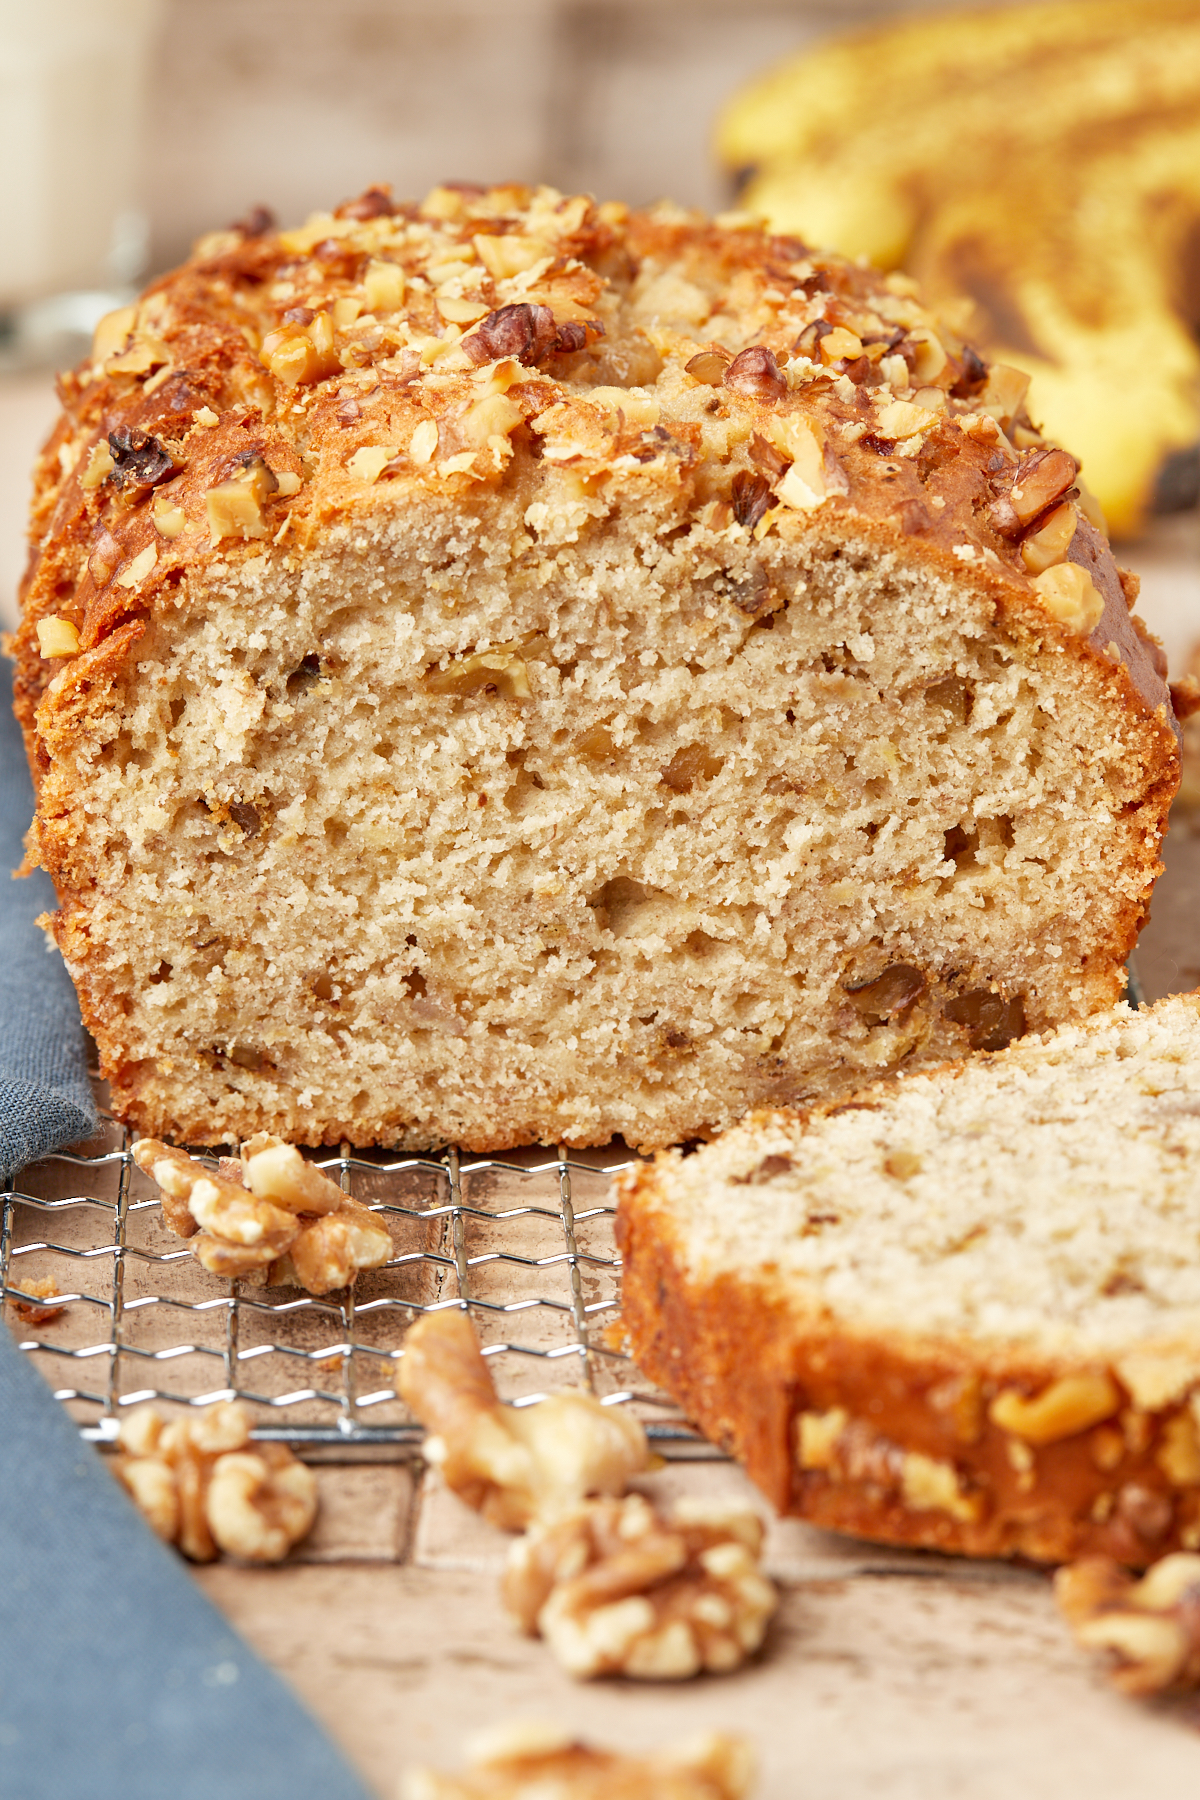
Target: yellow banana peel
<point>1037,168</point>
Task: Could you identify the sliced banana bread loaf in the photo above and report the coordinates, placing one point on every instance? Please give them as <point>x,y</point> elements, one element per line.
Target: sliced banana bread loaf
<point>509,669</point>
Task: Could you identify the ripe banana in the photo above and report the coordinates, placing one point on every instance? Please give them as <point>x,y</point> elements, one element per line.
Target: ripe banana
<point>1037,168</point>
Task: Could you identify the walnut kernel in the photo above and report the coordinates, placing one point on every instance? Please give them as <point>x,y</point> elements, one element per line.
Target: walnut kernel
<point>617,1588</point>
<point>1150,1629</point>
<point>1070,596</point>
<point>513,1464</point>
<point>1064,1408</point>
<point>199,1484</point>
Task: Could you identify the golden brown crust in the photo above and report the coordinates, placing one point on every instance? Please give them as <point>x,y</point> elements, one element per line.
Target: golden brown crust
<point>747,1366</point>
<point>199,346</point>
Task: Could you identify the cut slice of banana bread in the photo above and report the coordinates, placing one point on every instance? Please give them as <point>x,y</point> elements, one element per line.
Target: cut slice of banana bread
<point>506,669</point>
<point>961,1311</point>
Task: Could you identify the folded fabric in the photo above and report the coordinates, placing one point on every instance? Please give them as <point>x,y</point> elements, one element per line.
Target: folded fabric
<point>118,1679</point>
<point>45,1098</point>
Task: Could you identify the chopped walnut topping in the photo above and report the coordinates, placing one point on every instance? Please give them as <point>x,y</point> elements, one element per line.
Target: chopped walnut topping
<point>536,1762</point>
<point>200,1485</point>
<point>99,468</point>
<point>375,203</point>
<point>235,507</point>
<point>1050,543</point>
<point>617,1588</point>
<point>708,366</point>
<point>750,497</point>
<point>757,374</point>
<point>301,351</point>
<point>112,333</point>
<point>169,520</point>
<point>257,222</point>
<point>512,1464</point>
<point>528,333</point>
<point>1041,482</point>
<point>139,460</point>
<point>1150,1629</point>
<point>57,636</point>
<point>1070,595</point>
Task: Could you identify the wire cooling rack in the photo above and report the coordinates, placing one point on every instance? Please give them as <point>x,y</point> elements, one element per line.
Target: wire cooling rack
<point>524,1242</point>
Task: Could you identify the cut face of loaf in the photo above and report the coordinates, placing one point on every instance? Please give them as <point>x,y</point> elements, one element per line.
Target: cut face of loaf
<point>510,730</point>
<point>960,1312</point>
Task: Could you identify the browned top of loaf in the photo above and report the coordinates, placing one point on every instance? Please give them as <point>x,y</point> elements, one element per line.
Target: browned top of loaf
<point>625,340</point>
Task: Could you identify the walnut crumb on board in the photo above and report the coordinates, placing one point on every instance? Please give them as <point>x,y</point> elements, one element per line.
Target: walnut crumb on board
<point>541,1762</point>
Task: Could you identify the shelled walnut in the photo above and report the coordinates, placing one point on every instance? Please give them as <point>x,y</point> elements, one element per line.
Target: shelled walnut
<point>269,1211</point>
<point>531,1762</point>
<point>1149,1628</point>
<point>617,1588</point>
<point>512,1464</point>
<point>202,1485</point>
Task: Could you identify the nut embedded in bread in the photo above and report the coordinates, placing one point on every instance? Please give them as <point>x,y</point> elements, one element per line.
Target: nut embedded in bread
<point>509,669</point>
<point>961,1312</point>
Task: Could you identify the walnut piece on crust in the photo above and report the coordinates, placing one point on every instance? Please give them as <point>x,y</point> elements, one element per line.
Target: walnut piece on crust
<point>267,1210</point>
<point>542,1762</point>
<point>511,1464</point>
<point>1150,1629</point>
<point>617,1588</point>
<point>199,1484</point>
<point>46,1289</point>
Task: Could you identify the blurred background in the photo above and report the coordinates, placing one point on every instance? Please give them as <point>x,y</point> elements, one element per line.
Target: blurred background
<point>130,126</point>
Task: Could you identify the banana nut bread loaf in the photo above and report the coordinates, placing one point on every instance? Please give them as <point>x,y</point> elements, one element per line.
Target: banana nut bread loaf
<point>509,669</point>
<point>959,1311</point>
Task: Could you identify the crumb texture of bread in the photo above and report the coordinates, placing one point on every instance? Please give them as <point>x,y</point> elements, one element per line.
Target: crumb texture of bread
<point>961,1310</point>
<point>510,670</point>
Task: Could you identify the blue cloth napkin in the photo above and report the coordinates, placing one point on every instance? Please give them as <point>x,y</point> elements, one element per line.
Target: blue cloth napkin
<point>118,1679</point>
<point>45,1099</point>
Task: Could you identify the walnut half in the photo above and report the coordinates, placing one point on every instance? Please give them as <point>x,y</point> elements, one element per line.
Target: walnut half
<point>512,1464</point>
<point>201,1484</point>
<point>268,1211</point>
<point>617,1588</point>
<point>1150,1629</point>
<point>536,1762</point>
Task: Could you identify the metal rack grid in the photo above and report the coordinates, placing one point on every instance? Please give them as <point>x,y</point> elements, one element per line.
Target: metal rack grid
<point>524,1242</point>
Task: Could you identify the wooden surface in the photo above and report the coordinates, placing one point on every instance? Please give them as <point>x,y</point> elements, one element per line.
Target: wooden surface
<point>908,1677</point>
